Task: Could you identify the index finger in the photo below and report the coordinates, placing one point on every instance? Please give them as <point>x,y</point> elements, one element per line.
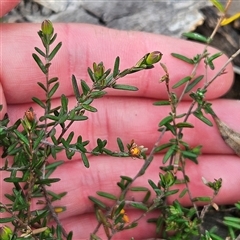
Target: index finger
<point>84,44</point>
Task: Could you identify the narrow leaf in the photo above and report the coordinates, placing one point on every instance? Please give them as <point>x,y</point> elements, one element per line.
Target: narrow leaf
<point>54,51</point>
<point>85,160</point>
<point>183,58</point>
<point>183,192</point>
<point>85,87</point>
<point>75,87</point>
<point>78,118</point>
<point>107,195</point>
<point>193,83</point>
<point>163,146</point>
<point>47,181</point>
<point>196,36</point>
<point>40,52</point>
<point>166,120</point>
<point>53,89</point>
<point>184,125</point>
<point>6,220</point>
<point>116,67</point>
<point>124,87</point>
<point>97,94</point>
<point>202,118</point>
<point>181,82</point>
<point>21,137</point>
<point>97,202</point>
<point>52,80</point>
<point>64,103</point>
<point>39,102</point>
<point>120,144</point>
<point>128,179</point>
<point>139,189</point>
<point>169,153</point>
<point>39,63</point>
<point>89,108</point>
<point>91,75</point>
<point>161,103</point>
<point>202,199</point>
<point>139,206</point>
<point>41,85</point>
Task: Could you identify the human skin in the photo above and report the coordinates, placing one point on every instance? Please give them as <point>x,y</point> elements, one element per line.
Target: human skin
<point>128,115</point>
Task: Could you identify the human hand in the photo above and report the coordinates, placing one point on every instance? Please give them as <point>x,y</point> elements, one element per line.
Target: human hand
<point>121,114</point>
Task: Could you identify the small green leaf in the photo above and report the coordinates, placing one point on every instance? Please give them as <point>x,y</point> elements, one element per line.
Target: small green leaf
<point>40,52</point>
<point>214,56</point>
<point>188,154</point>
<point>91,74</point>
<point>6,220</point>
<point>97,202</point>
<point>54,51</point>
<point>128,179</point>
<point>200,116</point>
<point>75,87</point>
<point>54,165</point>
<point>181,82</point>
<point>70,236</point>
<point>139,189</point>
<point>139,206</point>
<point>89,108</point>
<point>39,63</point>
<point>120,145</point>
<point>201,199</point>
<point>166,120</point>
<point>161,103</point>
<point>116,67</point>
<point>39,138</point>
<point>119,208</point>
<point>171,192</point>
<point>196,37</point>
<point>39,102</point>
<point>163,146</point>
<point>52,80</point>
<point>21,137</point>
<point>183,192</point>
<point>53,89</point>
<point>183,58</point>
<point>232,219</point>
<point>107,195</point>
<point>85,87</point>
<point>124,87</point>
<point>184,125</point>
<point>47,181</point>
<point>193,83</point>
<point>78,118</point>
<point>97,94</point>
<point>152,184</point>
<point>85,160</point>
<point>53,39</point>
<point>64,103</point>
<point>42,86</point>
<point>169,153</point>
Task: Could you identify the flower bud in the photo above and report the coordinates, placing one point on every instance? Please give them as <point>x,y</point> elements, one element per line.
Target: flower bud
<point>5,233</point>
<point>167,179</point>
<point>153,57</point>
<point>47,27</point>
<point>98,70</point>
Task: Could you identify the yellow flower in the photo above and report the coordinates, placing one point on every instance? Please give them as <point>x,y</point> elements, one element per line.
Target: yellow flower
<point>226,21</point>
